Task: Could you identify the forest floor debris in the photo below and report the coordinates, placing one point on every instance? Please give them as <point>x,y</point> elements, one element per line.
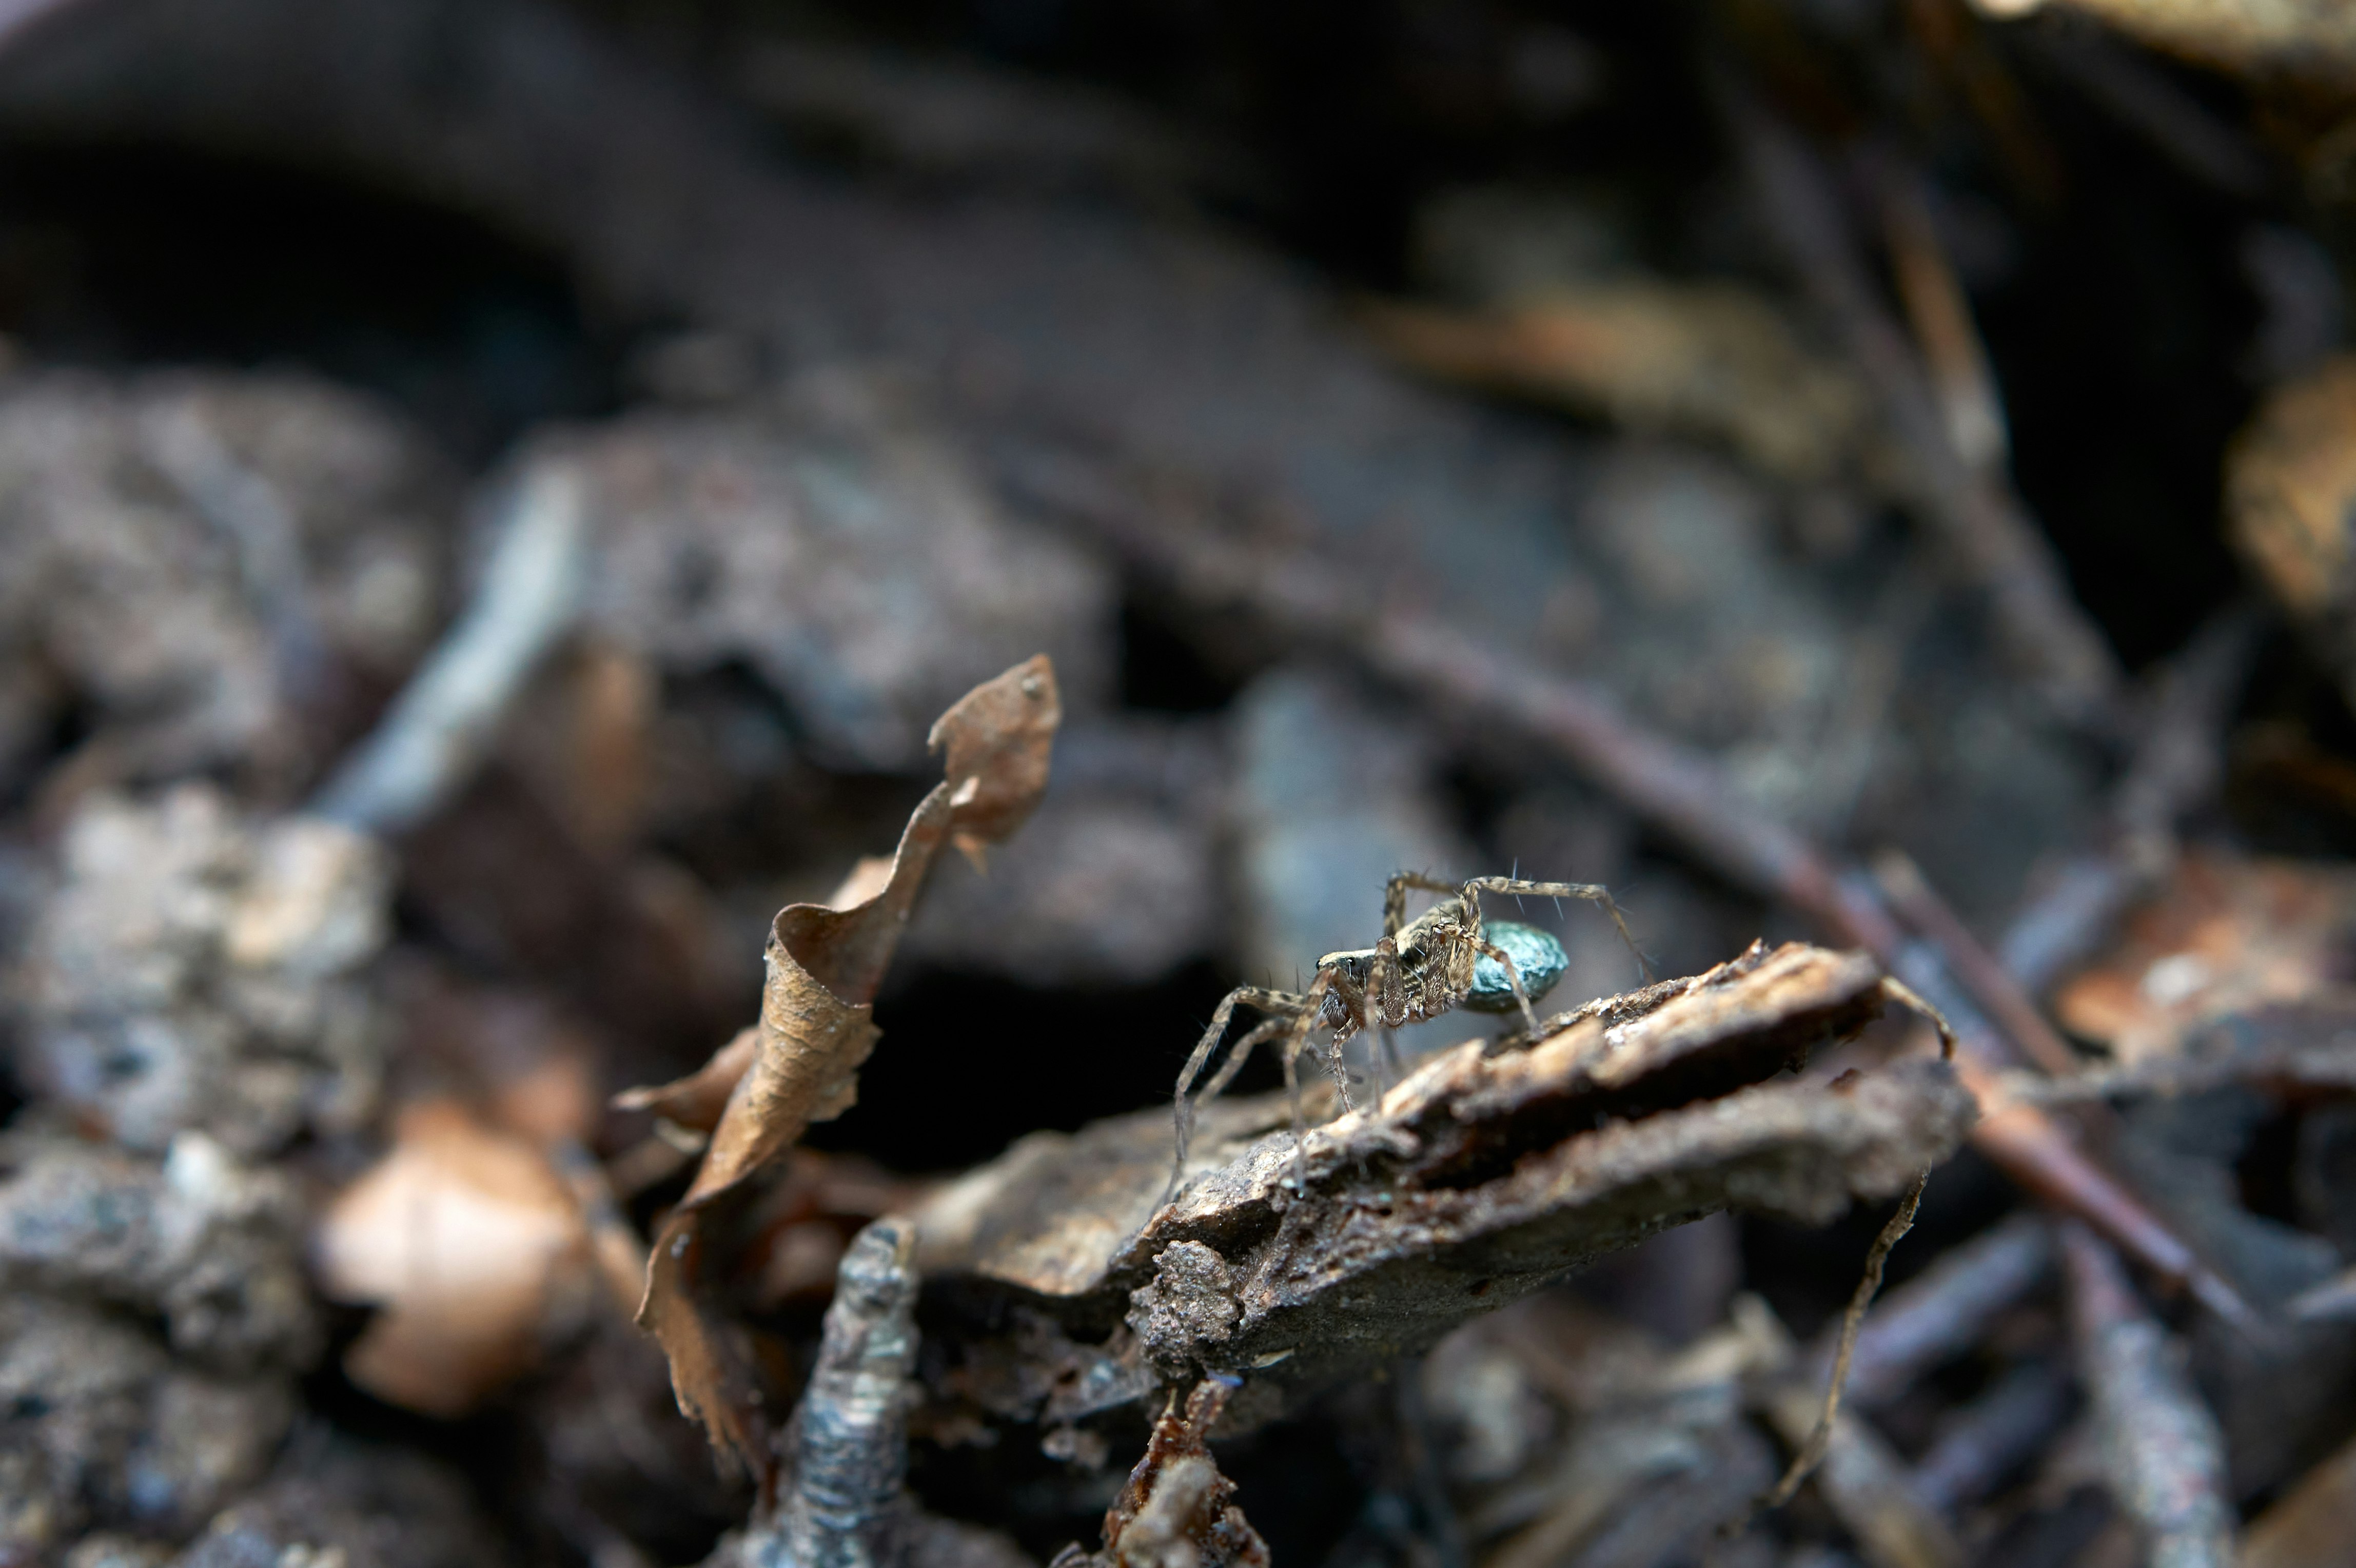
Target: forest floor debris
<point>403,750</point>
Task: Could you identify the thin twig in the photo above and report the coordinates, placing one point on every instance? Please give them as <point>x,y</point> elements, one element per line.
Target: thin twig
<point>1941,316</point>
<point>1992,1436</point>
<point>1944,1311</point>
<point>1973,967</point>
<point>2145,101</point>
<point>1812,1452</point>
<point>443,722</point>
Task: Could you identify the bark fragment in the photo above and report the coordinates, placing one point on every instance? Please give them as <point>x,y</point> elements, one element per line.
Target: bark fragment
<point>1480,1178</point>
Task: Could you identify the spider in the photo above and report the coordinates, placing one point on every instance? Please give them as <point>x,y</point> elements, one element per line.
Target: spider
<point>1445,958</point>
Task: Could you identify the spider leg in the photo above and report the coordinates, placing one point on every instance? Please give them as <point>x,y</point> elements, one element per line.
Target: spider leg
<point>1284,1005</point>
<point>1294,1043</point>
<point>1593,892</point>
<point>1393,1071</point>
<point>1239,1053</point>
<point>1395,896</point>
<point>1514,978</point>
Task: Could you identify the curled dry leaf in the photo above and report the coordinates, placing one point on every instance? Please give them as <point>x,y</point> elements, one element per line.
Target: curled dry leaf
<point>816,1027</point>
<point>471,1245</point>
<point>2226,936</point>
<point>1478,1179</point>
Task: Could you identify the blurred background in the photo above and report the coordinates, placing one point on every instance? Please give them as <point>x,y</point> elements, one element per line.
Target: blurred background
<point>1424,436</point>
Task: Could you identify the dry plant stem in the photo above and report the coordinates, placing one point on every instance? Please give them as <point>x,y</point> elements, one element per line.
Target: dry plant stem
<point>438,729</point>
<point>2162,1450</point>
<point>2334,1299</point>
<point>1972,965</point>
<point>1982,523</point>
<point>1942,1312</point>
<point>2179,755</point>
<point>1865,1483</point>
<point>621,1256</point>
<point>1813,1451</point>
<point>1666,784</point>
<point>848,1444</point>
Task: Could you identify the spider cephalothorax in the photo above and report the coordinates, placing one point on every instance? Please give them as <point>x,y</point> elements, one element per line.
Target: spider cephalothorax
<point>1446,958</point>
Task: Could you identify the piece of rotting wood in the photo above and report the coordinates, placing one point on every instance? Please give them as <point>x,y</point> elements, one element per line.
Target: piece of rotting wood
<point>1488,1172</point>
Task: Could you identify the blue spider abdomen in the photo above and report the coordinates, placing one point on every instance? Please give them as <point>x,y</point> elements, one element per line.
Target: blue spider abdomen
<point>1538,957</point>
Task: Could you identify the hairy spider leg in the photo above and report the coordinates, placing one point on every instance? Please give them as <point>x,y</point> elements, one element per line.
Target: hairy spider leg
<point>1298,1042</point>
<point>1239,1053</point>
<point>1389,1069</point>
<point>1395,896</point>
<point>1513,978</point>
<point>1284,1005</point>
<point>1593,892</point>
<point>1386,985</point>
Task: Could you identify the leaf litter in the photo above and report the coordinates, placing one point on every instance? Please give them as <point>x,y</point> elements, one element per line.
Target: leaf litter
<point>1021,414</point>
<point>801,1063</point>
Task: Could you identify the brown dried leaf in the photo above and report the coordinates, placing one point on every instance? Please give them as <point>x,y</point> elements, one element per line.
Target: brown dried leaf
<point>699,1100</point>
<point>1480,1178</point>
<point>816,1028</point>
<point>466,1240</point>
<point>2226,936</point>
